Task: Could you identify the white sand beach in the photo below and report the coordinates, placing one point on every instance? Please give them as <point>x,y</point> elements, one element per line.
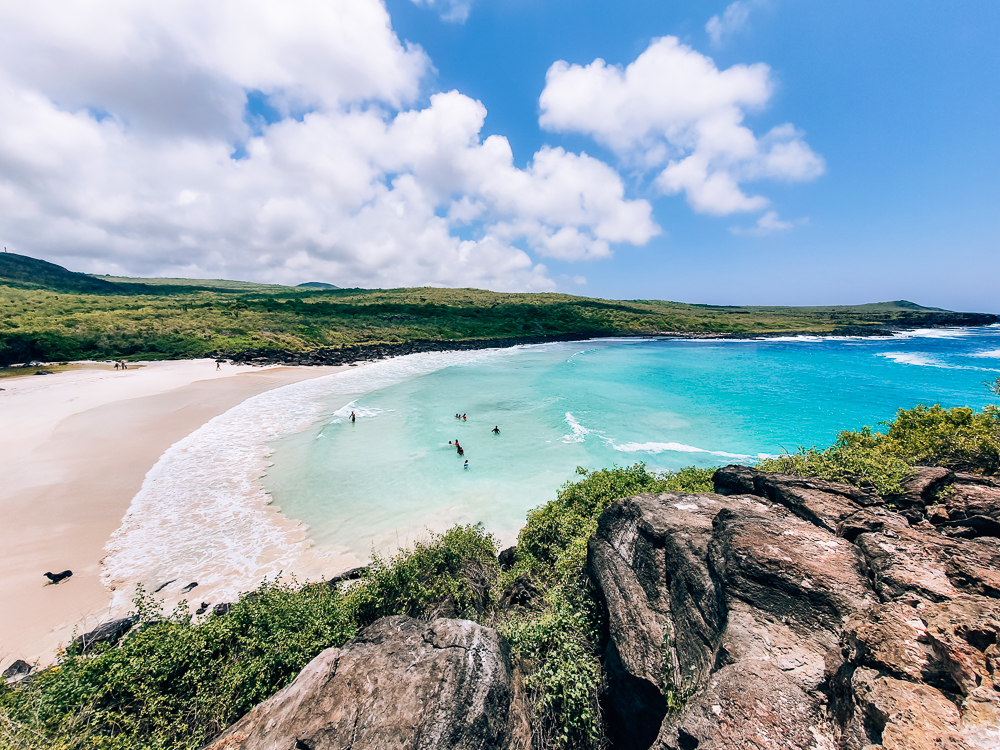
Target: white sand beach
<point>75,448</point>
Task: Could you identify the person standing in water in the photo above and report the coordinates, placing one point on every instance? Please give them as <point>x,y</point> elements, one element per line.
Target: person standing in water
<point>496,430</point>
<point>352,417</point>
<point>466,464</point>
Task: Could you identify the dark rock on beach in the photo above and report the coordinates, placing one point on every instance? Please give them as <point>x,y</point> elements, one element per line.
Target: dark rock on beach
<point>108,634</point>
<point>17,670</point>
<point>402,683</point>
<point>520,593</point>
<point>351,574</point>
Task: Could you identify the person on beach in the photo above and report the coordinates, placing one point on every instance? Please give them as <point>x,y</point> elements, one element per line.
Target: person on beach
<point>218,366</point>
<point>352,417</point>
<point>116,366</point>
<point>496,430</point>
<point>123,365</point>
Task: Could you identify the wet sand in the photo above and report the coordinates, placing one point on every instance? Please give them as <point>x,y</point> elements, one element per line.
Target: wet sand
<point>76,447</point>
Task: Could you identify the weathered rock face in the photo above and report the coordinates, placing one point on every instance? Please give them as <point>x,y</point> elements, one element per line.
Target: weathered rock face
<point>795,613</point>
<point>401,684</point>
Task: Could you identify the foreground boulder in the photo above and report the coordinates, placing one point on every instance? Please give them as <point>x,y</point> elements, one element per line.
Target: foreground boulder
<point>787,612</point>
<point>402,684</point>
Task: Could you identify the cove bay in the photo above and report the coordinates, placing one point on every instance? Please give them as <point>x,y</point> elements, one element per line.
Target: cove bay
<point>385,480</point>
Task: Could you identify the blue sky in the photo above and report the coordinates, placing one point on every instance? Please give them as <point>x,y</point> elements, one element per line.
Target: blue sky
<point>902,100</point>
<point>850,148</point>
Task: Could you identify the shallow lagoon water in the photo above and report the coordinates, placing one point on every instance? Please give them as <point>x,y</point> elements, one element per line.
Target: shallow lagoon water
<point>385,480</point>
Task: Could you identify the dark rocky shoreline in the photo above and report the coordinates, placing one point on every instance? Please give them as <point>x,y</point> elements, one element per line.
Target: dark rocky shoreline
<point>356,353</point>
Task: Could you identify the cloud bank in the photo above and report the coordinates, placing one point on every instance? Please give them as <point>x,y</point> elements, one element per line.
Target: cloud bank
<point>674,111</point>
<point>128,147</point>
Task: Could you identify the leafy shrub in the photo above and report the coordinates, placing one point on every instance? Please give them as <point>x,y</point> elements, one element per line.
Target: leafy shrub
<point>453,574</point>
<point>860,458</point>
<point>960,439</point>
<point>172,683</point>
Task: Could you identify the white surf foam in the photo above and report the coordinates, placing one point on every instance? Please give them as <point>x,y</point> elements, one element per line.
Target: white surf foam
<point>933,333</point>
<point>360,412</point>
<point>201,514</point>
<point>927,360</point>
<point>913,358</point>
<point>578,432</point>
<point>655,448</point>
<point>991,354</point>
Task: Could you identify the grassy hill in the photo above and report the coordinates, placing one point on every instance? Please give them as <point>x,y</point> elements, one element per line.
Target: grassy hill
<point>58,315</point>
<point>30,273</point>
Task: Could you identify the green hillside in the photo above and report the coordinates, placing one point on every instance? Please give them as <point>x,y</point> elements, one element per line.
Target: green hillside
<point>31,273</point>
<point>48,319</point>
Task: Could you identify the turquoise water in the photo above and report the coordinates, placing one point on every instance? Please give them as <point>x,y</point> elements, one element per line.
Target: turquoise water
<point>383,481</point>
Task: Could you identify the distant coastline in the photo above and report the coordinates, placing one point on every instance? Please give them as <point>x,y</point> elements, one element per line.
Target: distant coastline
<point>356,353</point>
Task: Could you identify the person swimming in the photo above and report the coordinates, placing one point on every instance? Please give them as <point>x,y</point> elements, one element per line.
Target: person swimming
<point>496,430</point>
<point>463,418</point>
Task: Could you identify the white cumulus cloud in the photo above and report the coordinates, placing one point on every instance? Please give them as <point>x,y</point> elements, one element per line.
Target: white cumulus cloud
<point>673,110</point>
<point>127,147</point>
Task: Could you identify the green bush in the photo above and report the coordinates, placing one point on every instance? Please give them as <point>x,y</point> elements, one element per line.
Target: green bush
<point>172,683</point>
<point>453,574</point>
<point>959,438</point>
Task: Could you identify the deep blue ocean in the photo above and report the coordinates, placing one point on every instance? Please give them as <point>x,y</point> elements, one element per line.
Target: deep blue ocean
<point>383,481</point>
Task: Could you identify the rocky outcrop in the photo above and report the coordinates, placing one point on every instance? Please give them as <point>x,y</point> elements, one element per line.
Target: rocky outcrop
<point>108,634</point>
<point>788,612</point>
<point>402,684</point>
